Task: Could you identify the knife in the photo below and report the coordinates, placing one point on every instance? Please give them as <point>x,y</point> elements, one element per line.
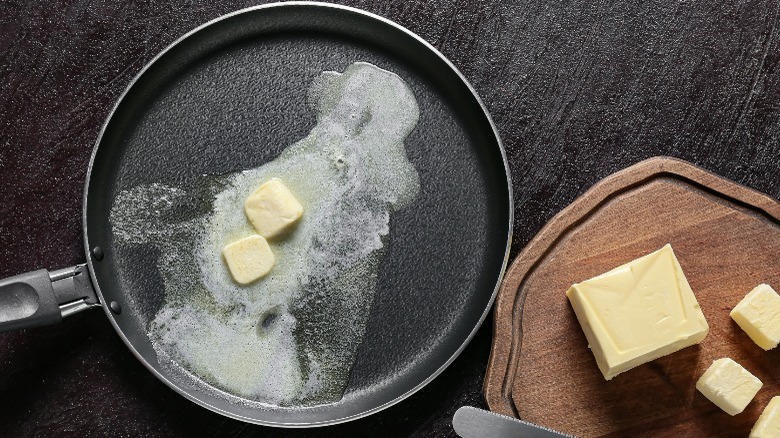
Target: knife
<point>471,422</point>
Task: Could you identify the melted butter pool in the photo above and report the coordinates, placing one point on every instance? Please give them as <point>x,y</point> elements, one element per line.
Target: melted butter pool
<point>291,337</point>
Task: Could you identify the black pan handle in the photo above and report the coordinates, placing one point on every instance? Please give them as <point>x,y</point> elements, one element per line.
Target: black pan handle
<point>42,297</point>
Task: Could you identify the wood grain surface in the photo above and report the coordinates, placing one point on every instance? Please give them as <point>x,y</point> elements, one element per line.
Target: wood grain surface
<point>727,239</point>
<point>577,89</point>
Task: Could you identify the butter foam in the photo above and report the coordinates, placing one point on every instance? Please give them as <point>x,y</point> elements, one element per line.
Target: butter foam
<point>291,337</point>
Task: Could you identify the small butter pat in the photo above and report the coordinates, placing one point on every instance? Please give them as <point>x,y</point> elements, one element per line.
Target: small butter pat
<point>768,424</point>
<point>730,386</point>
<point>272,208</point>
<point>759,316</point>
<point>638,312</point>
<point>249,259</point>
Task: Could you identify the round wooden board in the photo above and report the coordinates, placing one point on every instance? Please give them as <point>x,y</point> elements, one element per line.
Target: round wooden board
<point>727,239</point>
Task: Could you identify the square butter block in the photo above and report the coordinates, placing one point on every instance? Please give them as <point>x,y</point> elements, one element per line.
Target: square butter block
<point>249,259</point>
<point>768,424</point>
<point>730,386</point>
<point>758,314</point>
<point>638,312</point>
<point>272,208</point>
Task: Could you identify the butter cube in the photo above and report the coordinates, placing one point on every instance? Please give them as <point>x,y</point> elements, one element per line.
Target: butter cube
<point>272,208</point>
<point>768,424</point>
<point>248,259</point>
<point>759,316</point>
<point>638,312</point>
<point>730,386</point>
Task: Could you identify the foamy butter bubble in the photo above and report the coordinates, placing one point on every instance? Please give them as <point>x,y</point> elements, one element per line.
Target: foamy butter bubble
<point>291,337</point>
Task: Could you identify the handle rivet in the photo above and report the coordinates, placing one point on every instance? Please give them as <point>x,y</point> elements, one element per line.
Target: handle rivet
<point>97,252</point>
<point>115,307</point>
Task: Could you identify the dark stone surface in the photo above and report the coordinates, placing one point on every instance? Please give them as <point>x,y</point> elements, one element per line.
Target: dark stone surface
<point>577,89</point>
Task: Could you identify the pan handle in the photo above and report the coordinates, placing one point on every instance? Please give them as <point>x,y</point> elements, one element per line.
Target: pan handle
<point>42,297</point>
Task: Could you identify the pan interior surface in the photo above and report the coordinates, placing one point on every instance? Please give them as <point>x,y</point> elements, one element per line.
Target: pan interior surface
<point>231,96</point>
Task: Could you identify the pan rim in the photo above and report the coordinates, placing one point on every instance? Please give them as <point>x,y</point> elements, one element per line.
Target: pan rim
<point>375,409</point>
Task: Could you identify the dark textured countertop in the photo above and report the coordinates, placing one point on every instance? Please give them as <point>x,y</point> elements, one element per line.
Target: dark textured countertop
<point>578,90</point>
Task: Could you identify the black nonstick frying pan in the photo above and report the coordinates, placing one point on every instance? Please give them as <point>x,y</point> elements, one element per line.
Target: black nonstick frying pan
<point>231,95</point>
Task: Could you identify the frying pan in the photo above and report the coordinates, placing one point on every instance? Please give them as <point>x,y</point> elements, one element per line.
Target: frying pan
<point>231,95</point>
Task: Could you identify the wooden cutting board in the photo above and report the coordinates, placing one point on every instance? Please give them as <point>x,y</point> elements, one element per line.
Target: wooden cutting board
<point>727,239</point>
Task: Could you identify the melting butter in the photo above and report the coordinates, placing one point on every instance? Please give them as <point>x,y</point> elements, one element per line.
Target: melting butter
<point>291,337</point>
<point>272,209</point>
<point>248,259</point>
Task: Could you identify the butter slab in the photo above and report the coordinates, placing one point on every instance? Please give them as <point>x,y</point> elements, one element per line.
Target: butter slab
<point>758,314</point>
<point>638,312</point>
<point>729,385</point>
<point>768,424</point>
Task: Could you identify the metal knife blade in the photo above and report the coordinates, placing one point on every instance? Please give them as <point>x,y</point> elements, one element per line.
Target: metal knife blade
<point>470,422</point>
